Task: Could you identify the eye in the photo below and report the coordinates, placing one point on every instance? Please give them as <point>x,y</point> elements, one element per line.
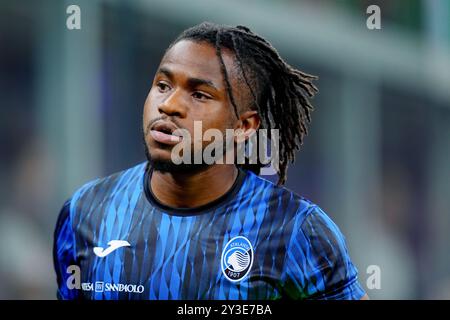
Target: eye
<point>162,86</point>
<point>200,96</point>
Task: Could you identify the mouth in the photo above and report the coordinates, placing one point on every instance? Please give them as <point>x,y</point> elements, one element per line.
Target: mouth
<point>162,132</point>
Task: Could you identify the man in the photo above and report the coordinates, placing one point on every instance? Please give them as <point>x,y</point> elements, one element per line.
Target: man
<point>166,230</point>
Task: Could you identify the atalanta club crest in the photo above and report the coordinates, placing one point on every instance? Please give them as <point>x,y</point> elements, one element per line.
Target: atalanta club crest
<point>237,258</point>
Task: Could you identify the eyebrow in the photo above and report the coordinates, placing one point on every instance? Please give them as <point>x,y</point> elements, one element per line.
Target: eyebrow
<point>192,82</point>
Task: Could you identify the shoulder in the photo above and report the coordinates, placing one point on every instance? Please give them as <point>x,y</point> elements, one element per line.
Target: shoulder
<point>101,188</point>
<point>317,263</point>
<point>293,206</point>
<point>318,259</point>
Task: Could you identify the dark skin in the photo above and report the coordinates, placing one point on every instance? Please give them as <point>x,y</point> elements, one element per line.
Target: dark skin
<point>188,87</point>
<point>179,96</point>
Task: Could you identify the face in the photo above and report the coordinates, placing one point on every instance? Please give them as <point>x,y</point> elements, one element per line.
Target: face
<point>188,86</point>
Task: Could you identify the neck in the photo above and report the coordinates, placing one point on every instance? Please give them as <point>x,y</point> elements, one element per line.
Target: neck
<point>193,189</point>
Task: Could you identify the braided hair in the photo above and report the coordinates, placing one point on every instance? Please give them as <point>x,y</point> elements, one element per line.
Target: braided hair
<point>280,92</point>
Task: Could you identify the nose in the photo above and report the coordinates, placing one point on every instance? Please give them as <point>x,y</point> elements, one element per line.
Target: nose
<point>173,105</point>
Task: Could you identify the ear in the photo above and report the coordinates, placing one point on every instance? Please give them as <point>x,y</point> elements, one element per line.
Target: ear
<point>248,124</point>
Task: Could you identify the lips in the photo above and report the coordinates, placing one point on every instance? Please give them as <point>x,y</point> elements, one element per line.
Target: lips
<point>161,131</point>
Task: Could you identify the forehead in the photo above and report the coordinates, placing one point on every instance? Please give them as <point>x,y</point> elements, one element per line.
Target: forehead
<point>199,60</point>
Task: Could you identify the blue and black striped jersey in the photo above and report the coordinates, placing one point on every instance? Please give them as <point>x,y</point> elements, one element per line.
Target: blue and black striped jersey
<point>114,240</point>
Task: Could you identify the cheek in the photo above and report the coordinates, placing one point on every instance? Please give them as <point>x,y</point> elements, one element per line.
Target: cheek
<point>216,115</point>
<point>207,120</point>
<point>220,120</point>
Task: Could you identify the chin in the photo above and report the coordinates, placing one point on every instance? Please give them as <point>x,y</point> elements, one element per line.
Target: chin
<point>169,166</point>
<point>160,159</point>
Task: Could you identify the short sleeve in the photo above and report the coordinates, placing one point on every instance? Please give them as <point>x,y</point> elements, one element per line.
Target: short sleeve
<point>318,265</point>
<point>64,253</point>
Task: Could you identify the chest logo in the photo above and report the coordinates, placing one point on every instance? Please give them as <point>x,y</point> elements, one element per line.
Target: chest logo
<point>237,258</point>
<point>113,245</point>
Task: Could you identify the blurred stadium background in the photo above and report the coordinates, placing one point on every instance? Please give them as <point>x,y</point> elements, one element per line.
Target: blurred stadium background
<point>377,158</point>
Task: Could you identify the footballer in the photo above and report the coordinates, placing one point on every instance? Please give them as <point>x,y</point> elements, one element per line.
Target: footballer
<point>166,230</point>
